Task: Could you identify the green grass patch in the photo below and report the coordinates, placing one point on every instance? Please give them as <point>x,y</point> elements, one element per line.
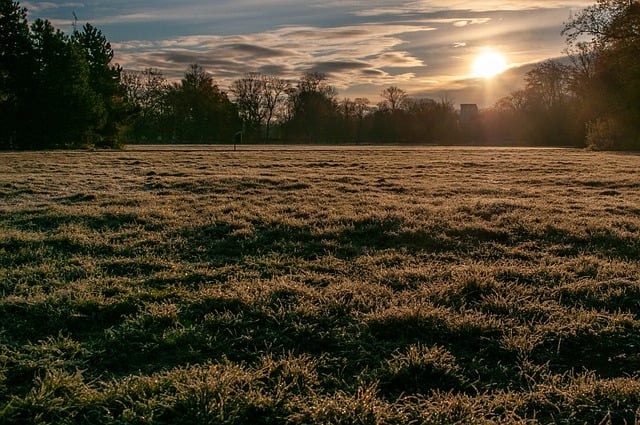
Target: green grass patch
<point>334,286</point>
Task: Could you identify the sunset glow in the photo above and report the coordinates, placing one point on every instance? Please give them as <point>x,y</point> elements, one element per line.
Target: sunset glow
<point>426,48</point>
<point>489,64</point>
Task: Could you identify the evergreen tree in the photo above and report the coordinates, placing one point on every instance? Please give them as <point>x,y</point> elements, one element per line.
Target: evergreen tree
<point>104,79</point>
<point>55,91</point>
<point>16,68</point>
<point>61,109</point>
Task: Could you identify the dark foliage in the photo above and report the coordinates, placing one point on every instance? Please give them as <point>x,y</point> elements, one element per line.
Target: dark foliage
<point>56,91</point>
<point>195,110</point>
<point>594,100</point>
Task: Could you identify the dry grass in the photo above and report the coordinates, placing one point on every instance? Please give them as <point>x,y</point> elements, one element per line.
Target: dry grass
<point>385,286</point>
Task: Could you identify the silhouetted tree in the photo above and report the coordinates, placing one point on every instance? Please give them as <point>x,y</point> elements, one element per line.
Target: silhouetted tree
<point>16,68</point>
<point>550,104</point>
<point>507,122</point>
<point>275,90</point>
<point>312,110</point>
<point>613,82</point>
<point>608,22</point>
<point>55,91</point>
<point>427,120</point>
<point>104,79</point>
<point>146,95</point>
<point>249,93</point>
<point>545,112</point>
<point>258,97</point>
<point>198,111</point>
<point>353,113</point>
<point>390,120</point>
<point>548,84</point>
<point>62,110</point>
<point>394,99</point>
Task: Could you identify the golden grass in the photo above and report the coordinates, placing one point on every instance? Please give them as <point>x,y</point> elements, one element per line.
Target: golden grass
<point>327,285</point>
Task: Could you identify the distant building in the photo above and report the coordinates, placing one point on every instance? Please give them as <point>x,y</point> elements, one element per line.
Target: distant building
<point>470,126</point>
<point>468,114</point>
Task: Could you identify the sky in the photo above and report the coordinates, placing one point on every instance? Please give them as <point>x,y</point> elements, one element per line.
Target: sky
<point>426,48</point>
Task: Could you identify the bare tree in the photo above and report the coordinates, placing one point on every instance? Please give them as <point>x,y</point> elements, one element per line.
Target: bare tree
<point>249,97</point>
<point>347,108</point>
<point>394,98</point>
<point>361,107</point>
<point>353,112</point>
<point>608,21</point>
<point>548,83</point>
<point>258,98</point>
<point>315,82</point>
<point>515,102</point>
<point>275,90</point>
<point>145,89</point>
<point>354,109</point>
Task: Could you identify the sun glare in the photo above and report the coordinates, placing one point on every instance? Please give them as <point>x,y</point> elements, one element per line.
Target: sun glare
<point>489,64</point>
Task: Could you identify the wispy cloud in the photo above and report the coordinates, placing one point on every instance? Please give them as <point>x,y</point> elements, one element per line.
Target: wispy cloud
<point>421,45</point>
<point>431,6</point>
<point>47,6</point>
<point>346,54</point>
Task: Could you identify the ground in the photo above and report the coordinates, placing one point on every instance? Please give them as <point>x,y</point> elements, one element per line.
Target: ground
<point>319,285</point>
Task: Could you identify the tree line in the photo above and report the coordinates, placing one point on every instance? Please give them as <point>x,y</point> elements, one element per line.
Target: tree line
<point>62,91</point>
<point>56,90</point>
<point>592,97</point>
<point>268,108</point>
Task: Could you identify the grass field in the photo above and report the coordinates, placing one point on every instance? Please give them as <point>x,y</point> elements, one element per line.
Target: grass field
<point>326,286</point>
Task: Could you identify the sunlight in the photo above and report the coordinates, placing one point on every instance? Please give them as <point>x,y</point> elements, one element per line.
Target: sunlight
<point>489,64</point>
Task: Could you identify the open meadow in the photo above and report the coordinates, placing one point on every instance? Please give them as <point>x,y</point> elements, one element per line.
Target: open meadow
<point>320,286</point>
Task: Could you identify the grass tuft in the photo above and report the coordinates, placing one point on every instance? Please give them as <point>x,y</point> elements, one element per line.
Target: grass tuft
<point>336,286</point>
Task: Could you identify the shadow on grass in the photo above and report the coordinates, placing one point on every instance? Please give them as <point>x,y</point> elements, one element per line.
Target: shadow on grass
<point>242,185</point>
<point>213,329</point>
<point>151,334</point>
<point>19,252</point>
<point>220,244</point>
<point>46,221</point>
<point>33,321</point>
<point>610,354</point>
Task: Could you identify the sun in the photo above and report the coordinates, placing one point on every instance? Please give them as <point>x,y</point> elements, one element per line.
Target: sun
<point>489,64</point>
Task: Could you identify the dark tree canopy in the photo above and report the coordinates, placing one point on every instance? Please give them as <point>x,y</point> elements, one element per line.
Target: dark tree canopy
<point>608,70</point>
<point>16,66</point>
<point>145,94</point>
<point>259,98</point>
<point>198,111</point>
<point>606,22</point>
<point>56,91</point>
<point>60,91</point>
<point>60,108</point>
<point>104,79</point>
<point>394,99</point>
<point>312,109</point>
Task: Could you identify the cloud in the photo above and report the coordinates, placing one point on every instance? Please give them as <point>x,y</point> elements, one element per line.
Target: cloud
<point>333,67</point>
<point>44,5</point>
<point>424,46</point>
<point>460,23</point>
<point>432,6</point>
<point>346,54</point>
<point>397,59</point>
<point>253,51</point>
